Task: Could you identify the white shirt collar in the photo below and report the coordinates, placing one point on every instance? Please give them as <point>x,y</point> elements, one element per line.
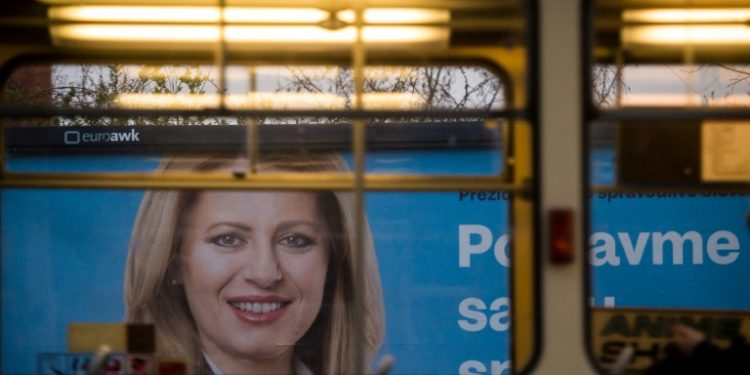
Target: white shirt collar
<point>300,368</point>
<point>214,369</point>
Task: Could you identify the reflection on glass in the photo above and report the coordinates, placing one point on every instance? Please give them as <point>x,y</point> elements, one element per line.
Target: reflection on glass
<point>132,27</point>
<point>722,85</point>
<point>194,87</point>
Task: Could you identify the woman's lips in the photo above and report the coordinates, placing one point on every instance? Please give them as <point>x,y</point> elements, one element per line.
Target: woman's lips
<point>258,309</point>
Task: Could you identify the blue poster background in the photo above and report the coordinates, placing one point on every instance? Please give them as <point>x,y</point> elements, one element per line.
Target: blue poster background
<point>64,251</point>
<point>708,285</point>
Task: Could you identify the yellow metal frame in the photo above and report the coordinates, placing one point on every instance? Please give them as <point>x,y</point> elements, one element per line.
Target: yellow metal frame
<point>518,175</point>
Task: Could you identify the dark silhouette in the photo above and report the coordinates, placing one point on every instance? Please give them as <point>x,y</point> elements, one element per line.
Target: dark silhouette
<point>692,353</point>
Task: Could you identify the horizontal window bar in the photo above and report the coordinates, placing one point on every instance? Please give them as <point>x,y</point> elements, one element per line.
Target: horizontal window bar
<point>670,114</point>
<point>707,189</point>
<point>242,181</point>
<point>36,112</point>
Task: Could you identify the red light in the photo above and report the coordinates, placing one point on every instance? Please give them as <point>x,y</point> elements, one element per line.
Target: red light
<point>561,235</point>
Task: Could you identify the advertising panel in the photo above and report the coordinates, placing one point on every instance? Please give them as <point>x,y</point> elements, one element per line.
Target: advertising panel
<point>88,256</point>
<point>664,257</point>
<point>667,249</point>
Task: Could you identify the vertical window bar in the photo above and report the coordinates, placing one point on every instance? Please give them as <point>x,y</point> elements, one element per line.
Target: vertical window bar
<point>619,82</point>
<point>253,131</point>
<point>2,146</point>
<point>221,56</point>
<point>358,135</point>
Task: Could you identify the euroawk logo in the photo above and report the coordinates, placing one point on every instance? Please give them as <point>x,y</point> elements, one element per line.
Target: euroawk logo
<point>74,137</point>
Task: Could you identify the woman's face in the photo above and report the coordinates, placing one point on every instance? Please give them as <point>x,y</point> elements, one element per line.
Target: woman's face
<point>254,268</point>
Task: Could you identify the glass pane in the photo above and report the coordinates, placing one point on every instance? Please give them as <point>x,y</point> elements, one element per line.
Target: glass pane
<point>650,85</point>
<point>320,87</point>
<point>668,197</point>
<point>445,279</point>
<point>660,254</point>
<point>88,88</point>
<point>441,280</point>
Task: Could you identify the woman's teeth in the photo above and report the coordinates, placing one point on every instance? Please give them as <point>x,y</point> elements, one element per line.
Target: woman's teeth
<point>257,307</point>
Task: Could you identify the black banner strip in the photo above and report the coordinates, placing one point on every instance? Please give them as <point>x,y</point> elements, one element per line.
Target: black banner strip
<point>153,139</point>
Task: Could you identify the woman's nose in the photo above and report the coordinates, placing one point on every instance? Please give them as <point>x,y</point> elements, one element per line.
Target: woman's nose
<point>262,268</point>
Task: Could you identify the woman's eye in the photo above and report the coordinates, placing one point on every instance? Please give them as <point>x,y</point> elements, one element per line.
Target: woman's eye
<point>296,240</point>
<point>227,240</point>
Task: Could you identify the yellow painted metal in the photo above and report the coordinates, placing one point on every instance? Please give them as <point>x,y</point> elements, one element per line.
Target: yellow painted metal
<point>272,181</point>
<point>359,144</point>
<point>522,229</point>
<point>520,159</point>
<point>516,179</point>
<point>120,337</point>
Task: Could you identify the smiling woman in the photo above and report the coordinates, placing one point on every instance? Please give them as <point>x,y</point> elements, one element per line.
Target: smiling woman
<point>253,282</point>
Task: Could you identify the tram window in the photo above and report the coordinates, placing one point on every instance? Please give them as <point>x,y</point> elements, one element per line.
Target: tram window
<point>671,85</point>
<point>441,280</point>
<point>271,87</point>
<point>450,88</point>
<point>666,235</point>
<point>384,172</point>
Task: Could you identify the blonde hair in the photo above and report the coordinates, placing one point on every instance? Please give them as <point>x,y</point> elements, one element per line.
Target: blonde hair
<point>152,263</point>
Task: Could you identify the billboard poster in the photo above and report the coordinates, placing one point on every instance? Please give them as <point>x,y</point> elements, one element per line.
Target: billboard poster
<point>440,258</point>
<point>659,258</point>
<point>662,249</point>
